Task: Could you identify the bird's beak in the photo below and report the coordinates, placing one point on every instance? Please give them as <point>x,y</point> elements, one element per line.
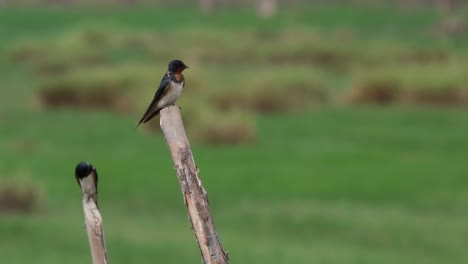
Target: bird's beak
<point>186,67</point>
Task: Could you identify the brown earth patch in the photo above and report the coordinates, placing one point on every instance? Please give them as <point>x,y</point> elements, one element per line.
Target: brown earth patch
<point>269,97</point>
<point>97,99</point>
<point>393,93</point>
<point>220,133</point>
<point>19,198</point>
<point>378,93</point>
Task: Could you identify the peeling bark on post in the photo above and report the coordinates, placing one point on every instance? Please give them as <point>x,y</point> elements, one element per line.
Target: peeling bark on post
<point>195,196</point>
<point>93,224</point>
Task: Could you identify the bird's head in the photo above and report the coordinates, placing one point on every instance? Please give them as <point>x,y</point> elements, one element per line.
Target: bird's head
<point>83,170</point>
<point>176,66</point>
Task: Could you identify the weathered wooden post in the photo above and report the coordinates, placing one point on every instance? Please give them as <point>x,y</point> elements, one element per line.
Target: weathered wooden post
<point>195,196</point>
<point>86,176</point>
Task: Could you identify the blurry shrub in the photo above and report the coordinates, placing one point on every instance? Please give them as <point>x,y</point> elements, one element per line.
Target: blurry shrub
<point>99,37</point>
<point>336,50</point>
<point>274,90</point>
<point>379,91</point>
<point>76,48</point>
<point>209,125</point>
<point>57,57</point>
<point>113,88</point>
<point>212,126</point>
<point>24,198</point>
<point>308,46</point>
<point>283,46</point>
<point>423,55</point>
<point>412,84</point>
<point>61,63</point>
<point>295,95</point>
<point>27,52</point>
<point>380,52</point>
<point>224,128</point>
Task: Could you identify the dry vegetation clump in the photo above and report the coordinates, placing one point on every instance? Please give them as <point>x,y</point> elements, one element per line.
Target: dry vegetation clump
<point>338,50</point>
<point>445,97</point>
<point>300,46</point>
<point>104,97</point>
<point>216,127</point>
<point>50,60</point>
<point>227,128</point>
<point>209,125</point>
<point>424,56</point>
<point>375,91</point>
<point>112,88</point>
<point>305,46</point>
<point>416,84</point>
<point>384,52</point>
<point>335,51</point>
<point>61,63</point>
<point>83,47</point>
<point>59,56</point>
<point>330,56</point>
<point>30,51</point>
<point>275,90</point>
<point>296,95</point>
<point>99,37</point>
<point>24,198</point>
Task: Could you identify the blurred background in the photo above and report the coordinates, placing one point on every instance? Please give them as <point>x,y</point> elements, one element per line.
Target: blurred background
<point>325,131</point>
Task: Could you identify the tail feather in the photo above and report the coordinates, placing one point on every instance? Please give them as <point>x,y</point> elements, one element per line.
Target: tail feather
<point>153,114</point>
<point>148,116</point>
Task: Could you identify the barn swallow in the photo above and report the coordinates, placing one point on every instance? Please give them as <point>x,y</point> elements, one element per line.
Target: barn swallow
<point>87,178</point>
<point>169,90</point>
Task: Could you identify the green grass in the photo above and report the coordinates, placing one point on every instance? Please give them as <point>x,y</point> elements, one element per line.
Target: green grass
<point>331,184</point>
<point>299,231</point>
<point>354,152</point>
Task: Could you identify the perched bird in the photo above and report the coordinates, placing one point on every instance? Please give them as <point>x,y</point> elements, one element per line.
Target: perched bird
<point>169,90</point>
<point>87,178</point>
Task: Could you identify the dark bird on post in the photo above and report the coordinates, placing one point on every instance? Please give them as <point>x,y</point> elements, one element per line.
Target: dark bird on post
<point>169,90</point>
<point>87,178</point>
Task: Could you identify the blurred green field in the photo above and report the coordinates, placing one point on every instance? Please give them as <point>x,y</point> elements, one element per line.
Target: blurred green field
<point>330,182</point>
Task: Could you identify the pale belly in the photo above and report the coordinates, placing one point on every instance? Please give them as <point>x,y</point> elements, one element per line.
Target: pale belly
<point>171,95</point>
